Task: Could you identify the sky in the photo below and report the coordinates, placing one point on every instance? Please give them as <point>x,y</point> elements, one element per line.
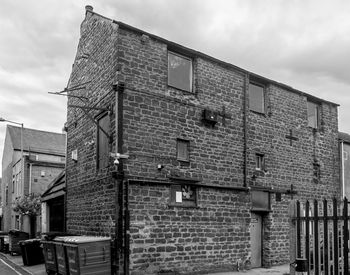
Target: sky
<point>302,43</point>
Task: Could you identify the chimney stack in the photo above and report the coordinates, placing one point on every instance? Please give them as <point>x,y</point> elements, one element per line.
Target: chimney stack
<point>89,8</point>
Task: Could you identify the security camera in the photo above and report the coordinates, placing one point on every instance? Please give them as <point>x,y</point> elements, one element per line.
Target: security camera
<point>116,162</point>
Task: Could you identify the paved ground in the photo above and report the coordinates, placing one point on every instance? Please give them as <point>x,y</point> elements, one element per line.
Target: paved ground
<point>276,270</point>
<point>13,265</point>
<point>16,263</point>
<point>7,269</point>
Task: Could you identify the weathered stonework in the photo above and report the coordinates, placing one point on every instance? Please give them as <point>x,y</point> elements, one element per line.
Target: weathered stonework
<point>213,235</point>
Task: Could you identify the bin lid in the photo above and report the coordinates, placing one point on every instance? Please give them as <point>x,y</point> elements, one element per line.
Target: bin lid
<point>15,232</point>
<point>31,241</point>
<point>81,239</point>
<point>61,238</point>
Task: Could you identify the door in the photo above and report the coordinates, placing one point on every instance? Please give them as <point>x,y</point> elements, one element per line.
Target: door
<point>256,239</point>
<point>56,216</point>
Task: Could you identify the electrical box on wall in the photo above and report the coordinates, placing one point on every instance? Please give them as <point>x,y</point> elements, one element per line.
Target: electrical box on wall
<point>210,116</point>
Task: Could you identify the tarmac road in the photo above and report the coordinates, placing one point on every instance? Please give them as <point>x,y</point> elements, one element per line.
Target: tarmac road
<point>7,269</point>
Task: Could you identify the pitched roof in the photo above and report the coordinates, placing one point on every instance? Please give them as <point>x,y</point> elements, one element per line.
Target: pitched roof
<point>37,140</point>
<point>56,188</point>
<point>344,137</point>
<point>191,52</point>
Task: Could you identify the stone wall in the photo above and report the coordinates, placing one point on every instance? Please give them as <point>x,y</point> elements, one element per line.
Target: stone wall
<point>214,233</point>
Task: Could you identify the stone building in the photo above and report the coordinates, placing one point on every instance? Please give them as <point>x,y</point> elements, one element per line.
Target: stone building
<point>188,161</point>
<point>43,159</point>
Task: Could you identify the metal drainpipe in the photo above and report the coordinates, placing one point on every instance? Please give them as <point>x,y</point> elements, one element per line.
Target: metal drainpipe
<point>342,167</point>
<point>245,130</point>
<point>65,129</point>
<point>127,229</point>
<point>30,177</point>
<point>119,177</point>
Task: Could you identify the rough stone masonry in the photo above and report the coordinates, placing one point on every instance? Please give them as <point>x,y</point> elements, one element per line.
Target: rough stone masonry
<point>201,159</point>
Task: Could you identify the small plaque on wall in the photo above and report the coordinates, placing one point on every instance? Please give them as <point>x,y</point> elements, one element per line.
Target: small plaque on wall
<point>178,196</point>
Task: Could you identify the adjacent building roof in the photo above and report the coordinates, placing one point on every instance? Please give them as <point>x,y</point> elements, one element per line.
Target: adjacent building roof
<point>344,137</point>
<point>56,188</point>
<point>37,140</point>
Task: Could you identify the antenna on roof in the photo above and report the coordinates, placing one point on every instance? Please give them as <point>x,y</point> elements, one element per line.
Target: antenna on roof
<point>65,91</point>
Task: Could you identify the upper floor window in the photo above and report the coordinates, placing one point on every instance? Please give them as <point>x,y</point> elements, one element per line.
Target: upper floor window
<point>260,162</point>
<point>256,98</point>
<point>183,147</point>
<point>313,110</point>
<point>103,141</point>
<point>179,72</point>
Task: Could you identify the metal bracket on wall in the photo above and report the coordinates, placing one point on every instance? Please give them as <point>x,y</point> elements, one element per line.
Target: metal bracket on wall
<point>65,91</point>
<point>85,108</point>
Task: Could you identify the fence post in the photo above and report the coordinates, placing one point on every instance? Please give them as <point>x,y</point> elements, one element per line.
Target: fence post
<point>298,231</point>
<point>307,234</point>
<point>346,237</point>
<point>292,235</point>
<point>316,239</point>
<point>335,239</point>
<point>325,236</point>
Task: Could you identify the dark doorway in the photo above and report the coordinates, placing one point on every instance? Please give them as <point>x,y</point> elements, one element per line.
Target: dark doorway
<point>56,214</point>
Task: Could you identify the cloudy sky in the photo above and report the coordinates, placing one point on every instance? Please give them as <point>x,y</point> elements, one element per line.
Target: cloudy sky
<point>302,43</point>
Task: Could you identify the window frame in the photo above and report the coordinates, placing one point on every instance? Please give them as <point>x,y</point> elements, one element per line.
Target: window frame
<point>263,86</point>
<point>317,108</point>
<point>182,141</point>
<point>259,205</point>
<point>178,187</point>
<point>99,118</point>
<point>316,170</point>
<point>259,162</point>
<point>173,85</point>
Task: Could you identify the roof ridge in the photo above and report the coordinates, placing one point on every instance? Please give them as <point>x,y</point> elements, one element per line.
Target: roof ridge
<point>171,43</point>
<point>36,130</point>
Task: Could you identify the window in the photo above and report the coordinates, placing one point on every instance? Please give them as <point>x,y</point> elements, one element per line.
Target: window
<point>17,222</point>
<point>184,195</point>
<point>260,162</point>
<point>313,114</point>
<point>183,150</point>
<point>103,141</point>
<point>13,183</point>
<point>179,72</point>
<point>257,98</point>
<point>7,195</point>
<point>316,172</point>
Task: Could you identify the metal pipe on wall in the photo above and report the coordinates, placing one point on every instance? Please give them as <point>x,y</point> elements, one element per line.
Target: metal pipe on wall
<point>245,130</point>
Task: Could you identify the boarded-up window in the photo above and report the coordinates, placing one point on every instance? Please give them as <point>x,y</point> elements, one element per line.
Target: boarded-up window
<point>103,142</point>
<point>260,201</point>
<point>179,72</point>
<point>183,150</point>
<point>256,98</point>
